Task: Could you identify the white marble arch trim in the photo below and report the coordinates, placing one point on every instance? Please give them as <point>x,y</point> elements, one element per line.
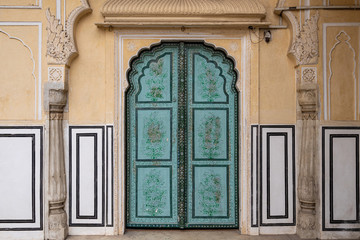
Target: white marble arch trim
<point>326,83</point>
<point>38,84</point>
<point>121,84</point>
<point>86,176</point>
<point>331,73</point>
<point>21,148</point>
<point>277,164</point>
<point>254,176</point>
<point>38,5</point>
<point>340,170</point>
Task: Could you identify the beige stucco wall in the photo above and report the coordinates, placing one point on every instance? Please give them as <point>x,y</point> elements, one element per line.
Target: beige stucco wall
<point>267,78</point>
<point>91,87</point>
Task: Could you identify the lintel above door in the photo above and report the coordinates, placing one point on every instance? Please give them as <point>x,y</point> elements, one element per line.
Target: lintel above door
<point>187,13</point>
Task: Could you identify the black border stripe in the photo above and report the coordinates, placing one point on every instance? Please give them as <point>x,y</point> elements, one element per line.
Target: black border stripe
<point>325,207</point>
<point>33,162</point>
<point>110,163</point>
<point>292,127</point>
<point>331,179</point>
<point>254,176</point>
<point>102,217</point>
<point>268,176</point>
<point>41,210</point>
<point>78,168</point>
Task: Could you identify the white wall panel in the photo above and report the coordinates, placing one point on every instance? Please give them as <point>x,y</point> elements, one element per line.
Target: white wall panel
<point>340,178</point>
<point>21,197</point>
<point>87,176</point>
<point>277,176</point>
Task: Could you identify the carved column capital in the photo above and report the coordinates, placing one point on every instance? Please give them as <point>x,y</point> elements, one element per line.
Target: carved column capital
<point>308,94</point>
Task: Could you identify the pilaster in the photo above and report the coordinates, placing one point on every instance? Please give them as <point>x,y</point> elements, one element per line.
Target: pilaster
<point>61,50</point>
<point>308,94</point>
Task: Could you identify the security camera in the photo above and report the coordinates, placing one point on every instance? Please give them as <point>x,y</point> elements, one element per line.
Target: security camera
<point>267,36</point>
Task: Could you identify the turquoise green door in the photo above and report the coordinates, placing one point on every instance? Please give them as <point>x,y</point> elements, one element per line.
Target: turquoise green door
<point>182,138</point>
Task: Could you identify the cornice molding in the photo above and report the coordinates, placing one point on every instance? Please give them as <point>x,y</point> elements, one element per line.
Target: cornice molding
<point>194,13</point>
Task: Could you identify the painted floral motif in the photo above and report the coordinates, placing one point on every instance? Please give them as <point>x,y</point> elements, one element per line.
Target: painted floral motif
<point>208,83</point>
<point>154,193</point>
<point>155,80</point>
<point>210,193</point>
<point>154,137</point>
<point>210,135</point>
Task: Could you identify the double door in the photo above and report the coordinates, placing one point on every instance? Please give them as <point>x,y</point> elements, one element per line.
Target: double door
<point>182,138</point>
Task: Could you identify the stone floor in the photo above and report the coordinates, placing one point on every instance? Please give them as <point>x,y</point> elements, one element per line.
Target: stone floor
<point>184,235</point>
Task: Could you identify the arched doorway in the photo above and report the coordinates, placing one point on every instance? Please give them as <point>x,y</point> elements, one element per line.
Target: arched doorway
<point>182,138</point>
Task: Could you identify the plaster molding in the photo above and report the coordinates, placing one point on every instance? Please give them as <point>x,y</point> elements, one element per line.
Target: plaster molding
<point>38,5</point>
<point>125,13</point>
<point>38,84</point>
<point>305,47</point>
<point>26,46</point>
<point>326,86</point>
<point>61,44</point>
<point>347,42</point>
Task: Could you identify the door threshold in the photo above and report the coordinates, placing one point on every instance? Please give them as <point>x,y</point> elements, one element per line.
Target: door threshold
<point>188,234</point>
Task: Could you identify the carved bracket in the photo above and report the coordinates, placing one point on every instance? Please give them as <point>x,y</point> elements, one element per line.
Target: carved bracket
<point>61,44</point>
<point>304,45</point>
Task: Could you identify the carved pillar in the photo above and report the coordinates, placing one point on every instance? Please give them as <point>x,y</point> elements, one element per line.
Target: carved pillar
<point>305,49</point>
<point>307,185</point>
<point>61,50</point>
<point>57,188</point>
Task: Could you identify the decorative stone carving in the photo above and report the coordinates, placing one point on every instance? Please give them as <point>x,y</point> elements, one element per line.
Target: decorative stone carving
<point>308,94</point>
<point>56,74</point>
<point>61,46</point>
<point>124,13</point>
<point>309,74</point>
<point>305,47</point>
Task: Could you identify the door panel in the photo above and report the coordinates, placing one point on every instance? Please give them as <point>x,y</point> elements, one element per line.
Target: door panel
<point>212,122</point>
<point>182,138</point>
<point>151,139</point>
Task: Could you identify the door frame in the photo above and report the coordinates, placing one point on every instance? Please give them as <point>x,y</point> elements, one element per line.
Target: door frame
<point>242,85</point>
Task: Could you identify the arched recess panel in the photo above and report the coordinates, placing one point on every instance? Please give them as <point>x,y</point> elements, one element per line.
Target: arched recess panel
<point>182,138</point>
<point>343,80</point>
